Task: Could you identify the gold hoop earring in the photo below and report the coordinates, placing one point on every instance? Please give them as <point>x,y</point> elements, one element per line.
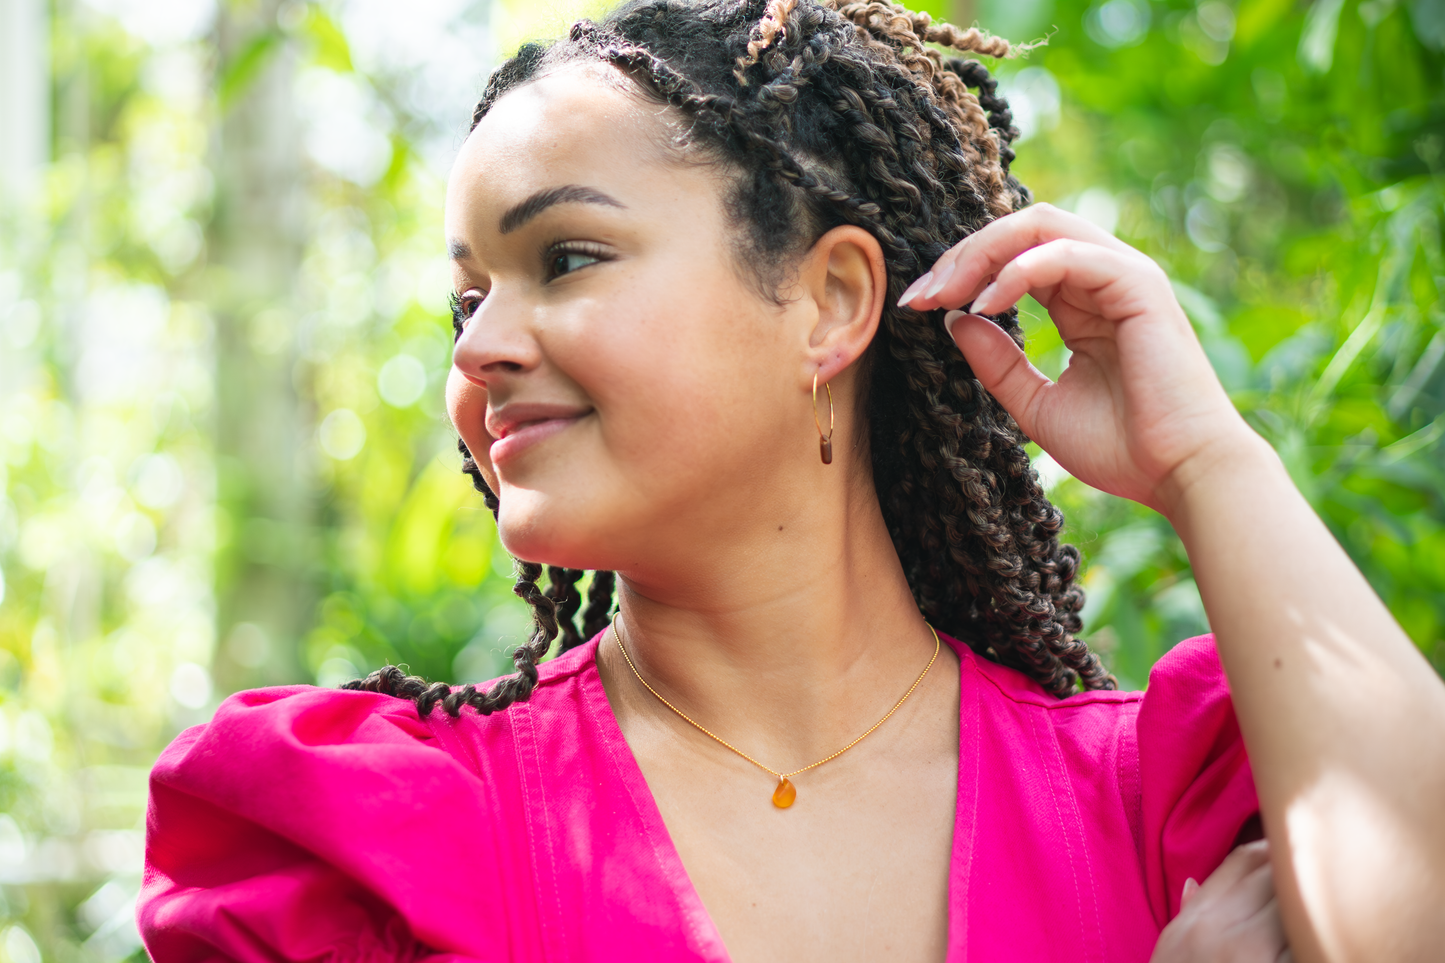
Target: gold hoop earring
<point>825,442</point>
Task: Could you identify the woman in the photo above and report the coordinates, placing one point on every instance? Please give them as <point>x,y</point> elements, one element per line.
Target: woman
<point>708,258</point>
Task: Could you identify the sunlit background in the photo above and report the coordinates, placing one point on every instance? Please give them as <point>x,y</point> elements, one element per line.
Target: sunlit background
<point>223,339</point>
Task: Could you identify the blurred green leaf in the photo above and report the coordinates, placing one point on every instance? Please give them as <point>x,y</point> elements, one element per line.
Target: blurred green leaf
<point>242,70</point>
<point>329,47</point>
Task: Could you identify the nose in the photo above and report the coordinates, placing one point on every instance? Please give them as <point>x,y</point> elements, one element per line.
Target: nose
<point>496,342</point>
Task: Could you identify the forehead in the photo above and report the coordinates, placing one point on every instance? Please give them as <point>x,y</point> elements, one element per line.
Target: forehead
<point>578,125</point>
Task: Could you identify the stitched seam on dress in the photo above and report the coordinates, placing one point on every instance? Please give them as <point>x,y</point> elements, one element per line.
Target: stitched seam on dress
<point>1101,697</point>
<point>700,940</point>
<point>976,713</point>
<point>445,731</point>
<point>546,818</point>
<point>1130,786</point>
<point>523,716</point>
<point>569,664</point>
<point>1076,842</point>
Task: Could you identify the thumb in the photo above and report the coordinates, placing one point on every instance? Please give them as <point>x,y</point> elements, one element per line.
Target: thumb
<point>1191,886</point>
<point>999,364</point>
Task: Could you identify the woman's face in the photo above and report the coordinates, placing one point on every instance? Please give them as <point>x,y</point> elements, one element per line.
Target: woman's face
<point>626,391</point>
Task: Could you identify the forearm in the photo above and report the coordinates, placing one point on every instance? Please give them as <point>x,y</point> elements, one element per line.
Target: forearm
<point>1343,718</point>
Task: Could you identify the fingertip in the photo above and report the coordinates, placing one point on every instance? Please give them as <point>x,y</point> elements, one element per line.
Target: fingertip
<point>940,274</point>
<point>948,320</point>
<point>951,319</point>
<point>912,290</point>
<point>983,302</point>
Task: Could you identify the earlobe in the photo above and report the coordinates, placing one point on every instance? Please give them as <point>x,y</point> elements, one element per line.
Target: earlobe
<point>847,279</point>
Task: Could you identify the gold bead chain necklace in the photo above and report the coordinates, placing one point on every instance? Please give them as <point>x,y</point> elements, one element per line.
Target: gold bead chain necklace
<point>786,793</point>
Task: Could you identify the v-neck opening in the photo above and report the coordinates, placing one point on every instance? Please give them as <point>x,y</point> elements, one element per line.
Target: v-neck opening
<point>702,931</point>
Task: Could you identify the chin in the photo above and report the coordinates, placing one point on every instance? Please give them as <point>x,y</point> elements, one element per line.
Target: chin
<point>534,528</point>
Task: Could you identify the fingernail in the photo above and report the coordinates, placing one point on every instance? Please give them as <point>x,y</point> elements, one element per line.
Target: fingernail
<point>914,288</point>
<point>940,278</point>
<point>1191,886</point>
<point>980,303</point>
<point>948,320</point>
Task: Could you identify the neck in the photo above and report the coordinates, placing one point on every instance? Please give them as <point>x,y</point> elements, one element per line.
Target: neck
<point>785,636</point>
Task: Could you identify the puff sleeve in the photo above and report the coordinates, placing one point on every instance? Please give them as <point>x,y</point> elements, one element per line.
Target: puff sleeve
<point>307,824</point>
<point>1197,795</point>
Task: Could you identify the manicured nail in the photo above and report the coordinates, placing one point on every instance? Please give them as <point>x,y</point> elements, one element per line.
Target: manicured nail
<point>1191,886</point>
<point>948,320</point>
<point>940,278</point>
<point>914,288</point>
<point>980,304</point>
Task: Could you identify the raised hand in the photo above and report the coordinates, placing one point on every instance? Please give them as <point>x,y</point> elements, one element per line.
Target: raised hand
<point>1138,401</point>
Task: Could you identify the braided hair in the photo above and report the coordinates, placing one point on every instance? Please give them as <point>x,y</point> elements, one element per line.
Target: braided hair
<point>828,113</point>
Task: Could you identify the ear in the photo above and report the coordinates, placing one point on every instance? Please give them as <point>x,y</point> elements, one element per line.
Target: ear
<point>844,278</point>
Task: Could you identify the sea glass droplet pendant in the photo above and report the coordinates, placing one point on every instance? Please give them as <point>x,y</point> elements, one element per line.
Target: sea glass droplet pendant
<point>784,795</point>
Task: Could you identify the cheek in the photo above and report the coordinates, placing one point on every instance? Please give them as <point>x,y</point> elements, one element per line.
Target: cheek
<point>467,408</point>
<point>684,375</point>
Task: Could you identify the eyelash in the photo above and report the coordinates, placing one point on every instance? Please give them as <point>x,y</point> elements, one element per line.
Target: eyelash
<point>459,316</point>
<point>550,254</point>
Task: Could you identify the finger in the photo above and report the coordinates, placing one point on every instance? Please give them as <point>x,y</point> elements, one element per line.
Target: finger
<point>1268,928</point>
<point>1191,887</point>
<point>1249,896</point>
<point>1261,936</point>
<point>958,275</point>
<point>1237,865</point>
<point>1000,365</point>
<point>1085,275</point>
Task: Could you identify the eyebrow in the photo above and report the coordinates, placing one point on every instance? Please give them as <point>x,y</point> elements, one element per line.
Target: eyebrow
<point>520,214</point>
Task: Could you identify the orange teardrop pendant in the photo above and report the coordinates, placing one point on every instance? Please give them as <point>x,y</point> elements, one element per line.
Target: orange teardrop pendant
<point>784,795</point>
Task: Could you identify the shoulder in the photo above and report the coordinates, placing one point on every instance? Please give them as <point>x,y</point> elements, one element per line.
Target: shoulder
<point>1184,714</point>
<point>333,804</point>
<point>290,730</point>
<point>1083,721</point>
<point>1187,729</point>
<point>1189,671</point>
<point>286,728</point>
<point>1188,677</point>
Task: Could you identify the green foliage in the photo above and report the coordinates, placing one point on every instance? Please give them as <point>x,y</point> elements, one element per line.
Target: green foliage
<point>1281,161</point>
<point>1291,187</point>
<point>246,66</point>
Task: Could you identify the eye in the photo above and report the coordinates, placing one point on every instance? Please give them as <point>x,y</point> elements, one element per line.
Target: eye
<point>565,258</point>
<point>469,302</point>
<point>570,261</point>
<point>465,305</point>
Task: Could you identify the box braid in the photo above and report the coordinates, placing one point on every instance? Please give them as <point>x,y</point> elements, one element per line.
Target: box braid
<point>833,113</point>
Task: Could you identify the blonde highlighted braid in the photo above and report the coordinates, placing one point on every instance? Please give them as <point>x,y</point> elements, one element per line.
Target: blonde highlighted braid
<point>774,22</point>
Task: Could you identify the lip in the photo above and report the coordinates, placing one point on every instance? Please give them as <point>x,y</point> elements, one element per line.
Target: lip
<point>519,427</point>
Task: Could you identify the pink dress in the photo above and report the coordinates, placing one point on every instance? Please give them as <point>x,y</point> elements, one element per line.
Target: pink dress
<point>314,824</point>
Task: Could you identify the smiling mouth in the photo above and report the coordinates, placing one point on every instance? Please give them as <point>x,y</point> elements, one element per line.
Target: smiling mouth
<point>528,434</point>
<point>523,426</point>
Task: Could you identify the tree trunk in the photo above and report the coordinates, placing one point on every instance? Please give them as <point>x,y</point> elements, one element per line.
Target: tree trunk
<point>266,563</point>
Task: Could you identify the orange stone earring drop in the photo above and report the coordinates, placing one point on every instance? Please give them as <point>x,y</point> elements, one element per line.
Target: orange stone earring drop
<point>825,448</point>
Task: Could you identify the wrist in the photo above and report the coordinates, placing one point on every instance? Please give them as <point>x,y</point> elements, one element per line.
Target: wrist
<point>1234,458</point>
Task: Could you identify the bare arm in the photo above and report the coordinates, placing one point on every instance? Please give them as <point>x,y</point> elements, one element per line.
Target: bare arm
<point>1343,718</point>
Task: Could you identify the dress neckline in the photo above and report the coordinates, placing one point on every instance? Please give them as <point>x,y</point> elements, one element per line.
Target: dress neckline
<point>702,932</point>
